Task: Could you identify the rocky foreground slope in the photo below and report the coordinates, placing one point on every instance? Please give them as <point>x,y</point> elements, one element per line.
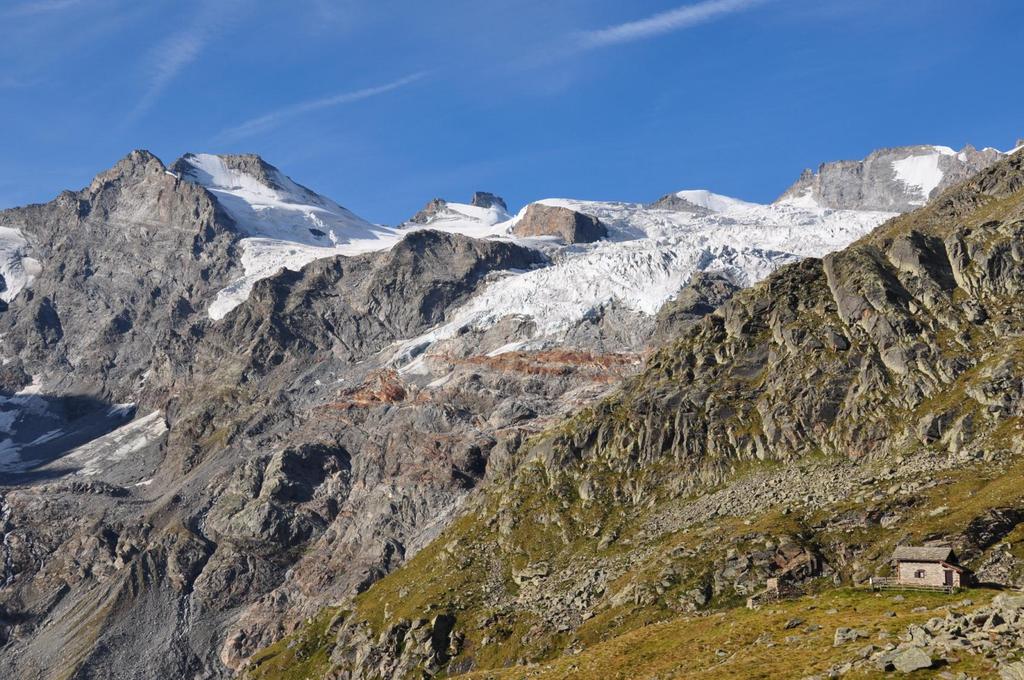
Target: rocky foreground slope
<point>842,406</point>
<point>202,450</point>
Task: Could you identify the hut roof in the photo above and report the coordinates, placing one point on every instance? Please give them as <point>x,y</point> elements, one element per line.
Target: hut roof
<point>908,553</point>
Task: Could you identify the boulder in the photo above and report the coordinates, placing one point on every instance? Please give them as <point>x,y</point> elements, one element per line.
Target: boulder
<point>1013,671</point>
<point>1008,602</point>
<point>566,224</point>
<point>531,572</point>
<point>911,659</point>
<point>844,635</point>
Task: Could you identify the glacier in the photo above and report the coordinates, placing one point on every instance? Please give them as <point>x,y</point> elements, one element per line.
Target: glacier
<point>650,253</point>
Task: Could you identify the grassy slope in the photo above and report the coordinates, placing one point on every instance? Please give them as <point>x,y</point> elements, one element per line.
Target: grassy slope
<point>753,644</point>
<point>304,655</point>
<point>651,641</point>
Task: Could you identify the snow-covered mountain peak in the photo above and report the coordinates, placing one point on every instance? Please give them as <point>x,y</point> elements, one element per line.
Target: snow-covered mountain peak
<point>647,254</point>
<point>238,171</point>
<point>712,201</point>
<point>478,219</point>
<point>285,225</point>
<point>264,202</point>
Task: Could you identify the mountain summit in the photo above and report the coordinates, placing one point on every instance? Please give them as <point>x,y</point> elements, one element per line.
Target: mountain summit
<point>897,179</point>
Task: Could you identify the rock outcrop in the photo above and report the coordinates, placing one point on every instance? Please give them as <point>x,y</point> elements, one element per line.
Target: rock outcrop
<point>566,224</point>
<point>890,180</point>
<point>429,211</point>
<point>677,203</point>
<point>705,292</point>
<point>129,264</point>
<point>485,199</point>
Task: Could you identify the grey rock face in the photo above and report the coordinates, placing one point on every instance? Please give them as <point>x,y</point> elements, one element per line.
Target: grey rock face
<point>677,204</point>
<point>873,183</point>
<point>431,209</point>
<point>912,659</point>
<point>128,266</point>
<point>357,305</point>
<point>568,225</point>
<point>127,262</point>
<point>705,292</point>
<point>484,199</point>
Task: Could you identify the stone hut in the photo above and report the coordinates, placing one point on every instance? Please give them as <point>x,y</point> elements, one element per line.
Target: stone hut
<point>927,567</point>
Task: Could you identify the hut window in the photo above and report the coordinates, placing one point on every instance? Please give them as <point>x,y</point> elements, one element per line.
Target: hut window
<point>919,573</point>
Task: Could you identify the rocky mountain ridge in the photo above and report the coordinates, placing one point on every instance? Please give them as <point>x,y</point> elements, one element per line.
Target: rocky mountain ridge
<point>200,479</point>
<point>802,430</point>
<point>897,179</point>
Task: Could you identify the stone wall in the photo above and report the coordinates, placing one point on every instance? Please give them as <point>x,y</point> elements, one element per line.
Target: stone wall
<point>934,574</point>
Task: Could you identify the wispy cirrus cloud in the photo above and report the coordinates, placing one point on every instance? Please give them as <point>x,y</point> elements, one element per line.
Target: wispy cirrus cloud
<point>269,121</point>
<point>665,22</point>
<point>179,51</point>
<point>181,48</point>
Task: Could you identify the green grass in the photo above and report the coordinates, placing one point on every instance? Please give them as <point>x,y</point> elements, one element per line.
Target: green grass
<point>303,656</point>
<point>751,644</point>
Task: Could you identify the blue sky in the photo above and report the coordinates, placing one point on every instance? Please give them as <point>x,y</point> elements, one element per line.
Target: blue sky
<point>383,104</point>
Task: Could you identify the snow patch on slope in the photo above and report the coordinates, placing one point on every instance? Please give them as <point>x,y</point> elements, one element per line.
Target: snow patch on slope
<point>24,405</point>
<point>16,267</point>
<point>804,199</point>
<point>287,225</point>
<point>712,201</point>
<point>462,218</point>
<point>922,171</point>
<point>287,211</point>
<point>92,458</point>
<point>36,430</point>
